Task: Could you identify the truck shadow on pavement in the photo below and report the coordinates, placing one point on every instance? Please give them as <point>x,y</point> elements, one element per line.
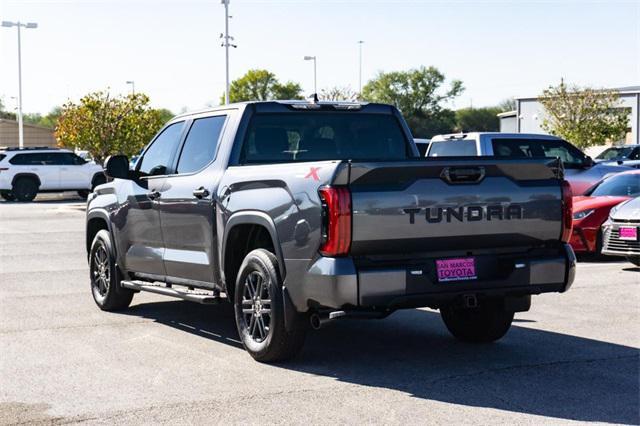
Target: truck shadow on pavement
<point>529,371</point>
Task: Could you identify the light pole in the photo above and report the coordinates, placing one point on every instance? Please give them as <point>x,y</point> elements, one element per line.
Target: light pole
<point>227,38</point>
<point>315,75</point>
<point>20,25</point>
<point>133,86</point>
<point>360,42</point>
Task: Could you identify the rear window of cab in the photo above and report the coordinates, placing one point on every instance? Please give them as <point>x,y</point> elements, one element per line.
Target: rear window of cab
<point>453,148</point>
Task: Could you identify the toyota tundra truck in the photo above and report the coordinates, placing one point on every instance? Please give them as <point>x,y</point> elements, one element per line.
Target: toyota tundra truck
<point>303,213</point>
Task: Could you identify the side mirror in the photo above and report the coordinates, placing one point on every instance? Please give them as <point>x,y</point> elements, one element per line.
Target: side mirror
<point>588,163</point>
<point>117,167</point>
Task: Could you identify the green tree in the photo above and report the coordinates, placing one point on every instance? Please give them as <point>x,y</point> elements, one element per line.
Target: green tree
<point>419,95</point>
<point>478,119</point>
<point>165,114</point>
<point>4,113</point>
<point>50,120</point>
<point>261,85</point>
<point>508,104</point>
<point>583,116</point>
<point>106,125</point>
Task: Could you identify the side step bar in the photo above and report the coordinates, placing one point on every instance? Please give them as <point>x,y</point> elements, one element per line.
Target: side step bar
<point>191,296</point>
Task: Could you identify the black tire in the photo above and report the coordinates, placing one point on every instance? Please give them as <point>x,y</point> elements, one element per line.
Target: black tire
<point>7,195</point>
<point>25,189</point>
<point>634,259</point>
<point>83,194</point>
<point>599,239</point>
<point>486,323</point>
<point>105,276</point>
<point>260,324</point>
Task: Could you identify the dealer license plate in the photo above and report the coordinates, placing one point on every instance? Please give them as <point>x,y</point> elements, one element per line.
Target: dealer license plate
<point>460,269</point>
<point>628,233</point>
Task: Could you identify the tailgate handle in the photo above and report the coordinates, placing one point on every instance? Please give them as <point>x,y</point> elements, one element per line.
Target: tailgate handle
<point>462,174</point>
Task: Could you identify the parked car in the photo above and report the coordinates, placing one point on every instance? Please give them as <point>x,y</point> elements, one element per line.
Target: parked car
<point>619,154</point>
<point>25,172</point>
<point>621,231</point>
<point>306,212</point>
<point>422,145</point>
<point>580,170</point>
<point>591,210</point>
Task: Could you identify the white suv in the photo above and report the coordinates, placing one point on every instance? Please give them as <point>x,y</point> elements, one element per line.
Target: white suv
<point>26,172</point>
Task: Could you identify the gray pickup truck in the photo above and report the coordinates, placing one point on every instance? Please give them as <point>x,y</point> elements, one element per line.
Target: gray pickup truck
<point>300,213</point>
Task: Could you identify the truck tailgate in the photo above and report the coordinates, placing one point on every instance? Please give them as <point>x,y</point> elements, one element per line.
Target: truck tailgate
<point>453,204</point>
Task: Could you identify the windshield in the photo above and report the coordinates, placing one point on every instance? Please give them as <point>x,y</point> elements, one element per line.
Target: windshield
<point>319,136</point>
<point>615,153</point>
<point>618,185</point>
<point>453,148</point>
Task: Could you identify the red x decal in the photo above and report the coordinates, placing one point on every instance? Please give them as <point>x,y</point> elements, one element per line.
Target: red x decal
<point>313,173</point>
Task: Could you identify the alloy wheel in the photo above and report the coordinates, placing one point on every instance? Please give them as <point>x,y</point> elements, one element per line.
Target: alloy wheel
<point>256,306</point>
<point>101,270</point>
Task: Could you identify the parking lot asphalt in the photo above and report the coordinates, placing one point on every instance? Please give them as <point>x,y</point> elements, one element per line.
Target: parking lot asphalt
<point>573,358</point>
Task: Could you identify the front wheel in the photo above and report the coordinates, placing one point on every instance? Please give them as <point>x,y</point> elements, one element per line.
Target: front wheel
<point>105,276</point>
<point>486,323</point>
<point>259,310</point>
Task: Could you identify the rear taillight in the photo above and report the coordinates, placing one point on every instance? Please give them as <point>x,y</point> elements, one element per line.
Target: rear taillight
<point>567,211</point>
<point>336,220</point>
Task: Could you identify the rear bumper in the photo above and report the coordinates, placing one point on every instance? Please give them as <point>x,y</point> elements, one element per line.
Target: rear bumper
<point>336,283</point>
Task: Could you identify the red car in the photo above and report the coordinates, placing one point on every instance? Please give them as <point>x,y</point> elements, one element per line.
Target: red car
<point>591,210</point>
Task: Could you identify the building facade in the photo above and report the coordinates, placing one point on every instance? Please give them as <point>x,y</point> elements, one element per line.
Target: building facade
<point>33,135</point>
<point>529,115</point>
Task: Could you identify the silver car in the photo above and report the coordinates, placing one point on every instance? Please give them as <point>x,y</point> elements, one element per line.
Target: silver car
<point>621,232</point>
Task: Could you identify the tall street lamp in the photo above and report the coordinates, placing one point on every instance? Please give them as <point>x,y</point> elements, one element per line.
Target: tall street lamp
<point>360,42</point>
<point>226,43</point>
<point>315,81</point>
<point>133,86</point>
<point>19,25</point>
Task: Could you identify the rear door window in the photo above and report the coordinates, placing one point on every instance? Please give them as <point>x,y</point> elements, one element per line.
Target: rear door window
<point>36,159</point>
<point>453,148</point>
<point>200,146</point>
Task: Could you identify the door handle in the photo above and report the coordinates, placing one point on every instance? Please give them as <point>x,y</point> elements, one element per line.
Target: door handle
<point>200,192</point>
<point>153,195</point>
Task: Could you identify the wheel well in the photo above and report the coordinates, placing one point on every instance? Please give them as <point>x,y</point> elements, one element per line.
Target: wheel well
<point>93,226</point>
<point>241,240</point>
<point>31,176</point>
<point>96,177</point>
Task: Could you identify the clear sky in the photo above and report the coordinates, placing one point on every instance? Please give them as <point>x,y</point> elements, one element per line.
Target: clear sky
<point>170,48</point>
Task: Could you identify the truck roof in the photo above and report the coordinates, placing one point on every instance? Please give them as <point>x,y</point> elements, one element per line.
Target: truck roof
<point>477,135</point>
<point>302,104</point>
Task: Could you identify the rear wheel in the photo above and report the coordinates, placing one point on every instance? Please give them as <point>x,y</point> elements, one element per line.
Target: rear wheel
<point>25,189</point>
<point>105,276</point>
<point>7,195</point>
<point>259,310</point>
<point>483,324</point>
